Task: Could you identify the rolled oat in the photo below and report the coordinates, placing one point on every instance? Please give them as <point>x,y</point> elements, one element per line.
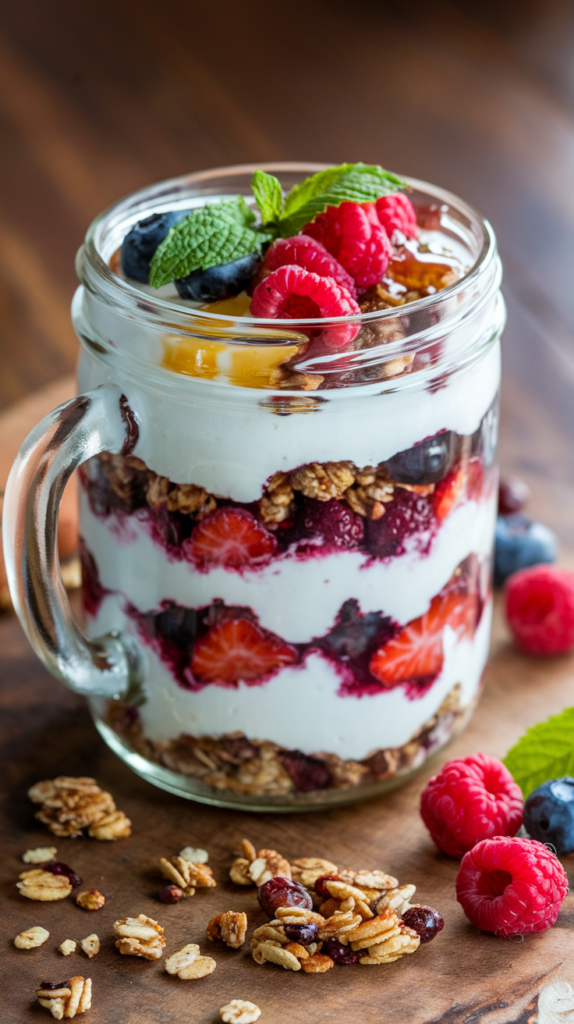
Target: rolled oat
<point>91,945</point>
<point>67,946</point>
<point>40,855</point>
<point>194,855</point>
<point>317,964</point>
<point>43,885</point>
<point>31,938</point>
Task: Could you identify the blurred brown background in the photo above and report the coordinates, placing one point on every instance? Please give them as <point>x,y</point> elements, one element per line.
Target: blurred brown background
<point>98,99</point>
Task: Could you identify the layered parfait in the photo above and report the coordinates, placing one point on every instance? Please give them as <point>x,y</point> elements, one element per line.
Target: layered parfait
<point>302,543</point>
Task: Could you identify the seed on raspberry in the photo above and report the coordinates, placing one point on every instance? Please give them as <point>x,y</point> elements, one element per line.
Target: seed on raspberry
<point>425,921</point>
<point>469,800</point>
<point>540,609</point>
<point>511,886</point>
<point>292,293</point>
<point>354,235</point>
<point>282,892</point>
<point>397,213</point>
<point>307,252</point>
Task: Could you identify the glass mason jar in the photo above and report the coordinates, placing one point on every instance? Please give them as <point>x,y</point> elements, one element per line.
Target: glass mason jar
<point>286,549</point>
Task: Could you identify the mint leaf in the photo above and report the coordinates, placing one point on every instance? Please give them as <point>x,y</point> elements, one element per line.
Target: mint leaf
<point>544,752</point>
<point>358,183</point>
<point>269,195</point>
<point>210,235</point>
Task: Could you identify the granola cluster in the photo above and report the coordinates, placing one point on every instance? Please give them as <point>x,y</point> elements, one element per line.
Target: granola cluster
<point>254,767</point>
<point>365,489</point>
<point>68,999</point>
<point>187,875</point>
<point>362,910</point>
<point>70,805</point>
<point>139,936</point>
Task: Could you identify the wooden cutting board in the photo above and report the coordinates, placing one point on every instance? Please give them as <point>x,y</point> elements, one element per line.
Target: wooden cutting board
<point>463,977</point>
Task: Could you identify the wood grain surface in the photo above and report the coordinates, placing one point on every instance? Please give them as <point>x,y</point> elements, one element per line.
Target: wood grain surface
<point>100,98</point>
<point>462,977</point>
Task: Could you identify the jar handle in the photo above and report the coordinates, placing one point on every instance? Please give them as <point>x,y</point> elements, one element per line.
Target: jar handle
<point>91,423</point>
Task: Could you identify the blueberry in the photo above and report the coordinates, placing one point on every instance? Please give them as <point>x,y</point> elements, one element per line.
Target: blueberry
<point>484,440</point>
<point>221,282</point>
<point>140,244</point>
<point>519,543</point>
<point>549,814</point>
<point>425,463</point>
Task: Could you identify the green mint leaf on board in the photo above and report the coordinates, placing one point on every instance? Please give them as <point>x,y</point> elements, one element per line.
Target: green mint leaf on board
<point>269,195</point>
<point>544,752</point>
<point>358,183</point>
<point>209,236</point>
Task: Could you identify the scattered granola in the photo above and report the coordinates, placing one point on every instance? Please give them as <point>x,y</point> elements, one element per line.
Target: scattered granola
<point>43,885</point>
<point>72,804</point>
<point>67,999</point>
<point>31,938</point>
<point>188,963</point>
<point>229,927</point>
<point>91,945</point>
<point>195,856</point>
<point>256,868</point>
<point>39,855</point>
<point>67,946</point>
<point>139,936</point>
<point>187,875</point>
<point>91,899</point>
<point>240,1011</point>
<point>359,919</point>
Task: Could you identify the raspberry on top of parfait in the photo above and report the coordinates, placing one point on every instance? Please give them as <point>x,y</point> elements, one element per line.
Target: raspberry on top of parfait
<point>344,242</point>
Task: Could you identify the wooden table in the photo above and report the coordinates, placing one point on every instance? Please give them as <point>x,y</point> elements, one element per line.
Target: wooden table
<point>100,98</point>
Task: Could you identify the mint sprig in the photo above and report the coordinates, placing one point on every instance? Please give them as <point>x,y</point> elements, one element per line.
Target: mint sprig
<point>225,231</point>
<point>357,183</point>
<point>209,236</point>
<point>544,752</point>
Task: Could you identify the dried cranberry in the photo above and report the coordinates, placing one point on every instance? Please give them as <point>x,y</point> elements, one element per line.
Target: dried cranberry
<point>51,986</point>
<point>282,892</point>
<point>320,887</point>
<point>302,933</point>
<point>170,894</point>
<point>512,496</point>
<point>57,867</point>
<point>307,773</point>
<point>339,953</point>
<point>425,921</point>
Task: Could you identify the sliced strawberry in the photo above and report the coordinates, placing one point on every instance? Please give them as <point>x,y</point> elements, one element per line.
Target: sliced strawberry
<point>414,652</point>
<point>417,651</point>
<point>449,493</point>
<point>238,650</point>
<point>230,537</point>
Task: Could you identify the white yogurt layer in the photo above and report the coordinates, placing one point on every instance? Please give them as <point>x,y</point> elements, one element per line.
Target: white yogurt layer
<point>226,440</point>
<point>297,599</point>
<point>300,707</point>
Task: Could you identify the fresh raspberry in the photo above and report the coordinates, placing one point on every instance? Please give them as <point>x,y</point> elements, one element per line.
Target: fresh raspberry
<point>416,652</point>
<point>230,537</point>
<point>397,213</point>
<point>471,799</point>
<point>511,886</point>
<point>540,609</point>
<point>292,293</point>
<point>237,650</point>
<point>354,235</point>
<point>307,252</point>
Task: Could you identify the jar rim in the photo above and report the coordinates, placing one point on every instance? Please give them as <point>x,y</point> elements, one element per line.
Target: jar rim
<point>95,272</point>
